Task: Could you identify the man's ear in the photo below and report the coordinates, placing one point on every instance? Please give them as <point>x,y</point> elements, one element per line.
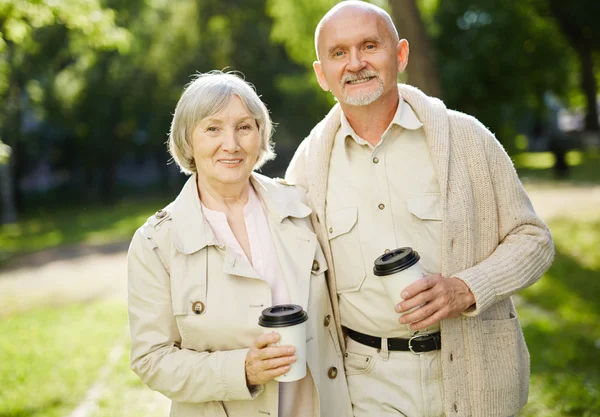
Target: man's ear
<point>403,50</point>
<point>320,77</point>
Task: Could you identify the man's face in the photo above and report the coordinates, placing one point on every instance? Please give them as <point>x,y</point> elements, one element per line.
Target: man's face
<point>359,58</point>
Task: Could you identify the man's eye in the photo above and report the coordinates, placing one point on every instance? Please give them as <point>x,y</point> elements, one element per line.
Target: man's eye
<point>370,46</point>
<point>338,53</point>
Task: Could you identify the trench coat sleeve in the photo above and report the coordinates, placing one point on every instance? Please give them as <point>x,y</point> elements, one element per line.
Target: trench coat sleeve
<point>180,374</point>
<point>525,250</point>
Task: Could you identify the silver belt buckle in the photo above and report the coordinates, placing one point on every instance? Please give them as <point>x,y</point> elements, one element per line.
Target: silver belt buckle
<point>417,337</point>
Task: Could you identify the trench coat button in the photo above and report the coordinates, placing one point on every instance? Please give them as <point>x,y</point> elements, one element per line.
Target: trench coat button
<point>327,320</point>
<point>315,265</point>
<point>387,251</point>
<point>375,160</point>
<point>198,307</point>
<point>160,214</point>
<point>332,373</point>
<point>381,206</point>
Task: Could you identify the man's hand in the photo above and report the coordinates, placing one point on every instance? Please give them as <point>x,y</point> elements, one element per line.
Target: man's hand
<point>264,362</point>
<point>440,298</point>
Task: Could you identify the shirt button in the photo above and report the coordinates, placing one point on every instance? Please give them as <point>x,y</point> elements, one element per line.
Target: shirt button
<point>381,206</point>
<point>327,320</point>
<point>315,266</point>
<point>375,160</point>
<point>198,307</point>
<point>331,230</point>
<point>332,373</point>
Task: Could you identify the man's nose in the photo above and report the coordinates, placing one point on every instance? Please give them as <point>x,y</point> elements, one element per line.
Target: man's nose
<point>356,62</point>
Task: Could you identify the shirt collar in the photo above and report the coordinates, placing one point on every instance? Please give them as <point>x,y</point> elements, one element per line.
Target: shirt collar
<point>404,117</point>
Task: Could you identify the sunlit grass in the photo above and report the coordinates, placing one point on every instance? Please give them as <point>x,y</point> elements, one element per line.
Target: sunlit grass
<point>50,357</point>
<point>127,396</point>
<point>560,321</point>
<point>584,167</point>
<point>94,224</point>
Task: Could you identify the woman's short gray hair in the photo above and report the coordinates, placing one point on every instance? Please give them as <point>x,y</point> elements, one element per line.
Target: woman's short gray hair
<point>207,94</point>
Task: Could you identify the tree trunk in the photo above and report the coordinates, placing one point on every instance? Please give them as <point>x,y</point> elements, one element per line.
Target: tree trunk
<point>9,212</point>
<point>422,69</point>
<point>589,87</point>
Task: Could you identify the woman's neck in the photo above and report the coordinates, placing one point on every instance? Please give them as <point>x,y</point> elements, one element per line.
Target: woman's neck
<point>225,198</point>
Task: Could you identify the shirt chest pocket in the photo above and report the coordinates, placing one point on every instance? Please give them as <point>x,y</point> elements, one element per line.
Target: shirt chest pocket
<point>348,262</point>
<point>426,222</point>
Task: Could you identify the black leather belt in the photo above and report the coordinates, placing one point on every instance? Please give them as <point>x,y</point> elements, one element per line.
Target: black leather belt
<point>419,343</point>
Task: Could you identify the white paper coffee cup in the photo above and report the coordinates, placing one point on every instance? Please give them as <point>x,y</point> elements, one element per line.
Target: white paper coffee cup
<point>398,269</point>
<point>289,320</point>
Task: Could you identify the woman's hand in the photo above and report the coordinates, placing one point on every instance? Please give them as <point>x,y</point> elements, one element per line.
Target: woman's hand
<point>264,362</point>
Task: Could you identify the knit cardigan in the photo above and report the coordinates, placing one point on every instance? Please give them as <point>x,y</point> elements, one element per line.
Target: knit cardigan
<point>491,239</point>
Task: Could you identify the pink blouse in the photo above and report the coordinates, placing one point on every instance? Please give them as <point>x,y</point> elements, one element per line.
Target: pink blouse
<point>266,264</point>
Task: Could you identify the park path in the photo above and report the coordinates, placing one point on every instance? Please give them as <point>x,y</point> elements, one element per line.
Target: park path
<point>73,274</point>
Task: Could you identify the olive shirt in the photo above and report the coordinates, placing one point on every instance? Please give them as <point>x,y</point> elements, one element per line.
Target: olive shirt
<point>379,200</point>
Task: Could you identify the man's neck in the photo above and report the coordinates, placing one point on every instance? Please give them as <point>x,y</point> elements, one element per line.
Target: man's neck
<point>370,122</point>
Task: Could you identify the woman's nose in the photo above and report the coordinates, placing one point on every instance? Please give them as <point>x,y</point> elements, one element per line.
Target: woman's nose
<point>230,141</point>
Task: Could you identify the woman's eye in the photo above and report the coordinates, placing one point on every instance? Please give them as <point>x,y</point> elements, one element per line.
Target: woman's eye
<point>212,129</point>
<point>245,127</point>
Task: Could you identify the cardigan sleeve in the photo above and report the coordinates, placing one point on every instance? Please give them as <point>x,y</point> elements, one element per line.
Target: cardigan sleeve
<point>295,173</point>
<point>525,250</point>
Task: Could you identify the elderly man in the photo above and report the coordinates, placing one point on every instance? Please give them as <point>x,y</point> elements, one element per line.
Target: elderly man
<point>390,167</point>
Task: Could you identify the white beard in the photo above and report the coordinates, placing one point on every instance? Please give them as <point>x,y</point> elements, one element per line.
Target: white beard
<point>363,99</point>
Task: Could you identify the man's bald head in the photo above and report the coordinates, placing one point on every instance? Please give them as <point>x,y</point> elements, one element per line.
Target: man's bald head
<point>352,7</point>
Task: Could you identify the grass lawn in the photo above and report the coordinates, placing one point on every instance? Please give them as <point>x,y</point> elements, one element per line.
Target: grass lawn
<point>560,316</point>
<point>50,357</point>
<point>584,167</point>
<point>94,224</point>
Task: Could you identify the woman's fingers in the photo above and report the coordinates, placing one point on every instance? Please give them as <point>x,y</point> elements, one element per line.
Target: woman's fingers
<point>266,339</point>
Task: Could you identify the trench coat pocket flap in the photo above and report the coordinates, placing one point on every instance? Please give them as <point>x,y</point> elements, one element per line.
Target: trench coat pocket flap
<point>425,207</point>
<point>341,221</point>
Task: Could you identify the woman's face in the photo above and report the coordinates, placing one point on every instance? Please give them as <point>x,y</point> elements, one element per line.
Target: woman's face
<point>226,145</point>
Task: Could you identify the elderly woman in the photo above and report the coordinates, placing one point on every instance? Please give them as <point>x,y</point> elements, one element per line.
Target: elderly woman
<point>202,270</point>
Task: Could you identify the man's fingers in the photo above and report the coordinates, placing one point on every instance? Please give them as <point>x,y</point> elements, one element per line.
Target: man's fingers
<point>420,298</point>
<point>429,321</point>
<point>420,313</point>
<point>419,286</point>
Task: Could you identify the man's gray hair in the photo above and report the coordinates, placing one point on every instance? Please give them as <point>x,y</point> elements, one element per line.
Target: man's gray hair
<point>207,94</point>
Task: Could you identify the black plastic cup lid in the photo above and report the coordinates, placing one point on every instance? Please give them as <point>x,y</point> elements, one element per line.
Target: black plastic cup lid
<point>282,315</point>
<point>395,261</point>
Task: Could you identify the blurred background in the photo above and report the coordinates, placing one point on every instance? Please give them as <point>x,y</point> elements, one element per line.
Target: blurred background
<point>87,91</point>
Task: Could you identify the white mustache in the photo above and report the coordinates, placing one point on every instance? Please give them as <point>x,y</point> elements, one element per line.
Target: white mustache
<point>358,76</point>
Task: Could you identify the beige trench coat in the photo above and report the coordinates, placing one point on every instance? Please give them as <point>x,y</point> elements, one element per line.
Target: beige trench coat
<point>194,308</point>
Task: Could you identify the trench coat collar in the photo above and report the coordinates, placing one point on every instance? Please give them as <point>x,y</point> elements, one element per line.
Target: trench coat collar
<point>192,231</point>
<point>430,111</point>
